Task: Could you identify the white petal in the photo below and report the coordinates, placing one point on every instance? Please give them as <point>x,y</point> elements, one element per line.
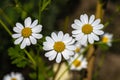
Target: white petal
<point>96,22</point>
<point>71,42</point>
<point>84,39</point>
<point>19,25</point>
<point>109,44</point>
<point>50,40</point>
<point>50,53</point>
<point>85,18</point>
<point>67,40</point>
<point>100,26</point>
<point>59,57</point>
<point>98,32</point>
<point>92,17</point>
<point>96,38</point>
<point>23,44</point>
<point>65,36</point>
<point>70,53</point>
<point>18,41</point>
<point>7,77</point>
<point>37,36</point>
<point>17,30</point>
<point>65,55</point>
<point>70,47</point>
<point>74,26</point>
<point>35,22</point>
<point>37,29</point>
<point>33,40</point>
<point>82,19</point>
<point>90,39</point>
<point>77,22</point>
<point>27,22</point>
<point>79,36</point>
<point>52,57</point>
<point>60,35</point>
<point>76,31</point>
<point>16,35</point>
<point>47,48</point>
<point>28,41</point>
<point>54,36</point>
<point>48,45</point>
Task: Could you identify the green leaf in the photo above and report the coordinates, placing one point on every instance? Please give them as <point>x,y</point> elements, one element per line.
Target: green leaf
<point>104,46</point>
<point>17,56</point>
<point>45,4</point>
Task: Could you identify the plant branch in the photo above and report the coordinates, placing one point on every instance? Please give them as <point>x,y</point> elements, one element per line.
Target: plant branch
<point>5,27</point>
<point>30,57</point>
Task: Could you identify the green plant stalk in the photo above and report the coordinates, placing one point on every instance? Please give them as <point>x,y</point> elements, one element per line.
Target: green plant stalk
<point>6,17</point>
<point>30,57</point>
<point>5,27</point>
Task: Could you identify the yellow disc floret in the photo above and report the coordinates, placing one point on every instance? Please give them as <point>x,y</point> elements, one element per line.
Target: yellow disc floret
<point>77,50</point>
<point>105,39</point>
<point>13,79</point>
<point>77,63</point>
<point>26,32</point>
<point>87,29</point>
<point>59,46</point>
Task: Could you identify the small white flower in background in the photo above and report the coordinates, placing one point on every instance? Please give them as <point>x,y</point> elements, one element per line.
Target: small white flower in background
<point>79,48</point>
<point>79,63</point>
<point>13,76</point>
<point>87,30</point>
<point>107,38</point>
<point>27,34</point>
<point>59,45</point>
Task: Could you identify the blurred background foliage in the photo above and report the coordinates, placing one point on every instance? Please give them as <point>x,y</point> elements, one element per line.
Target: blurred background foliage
<point>58,15</point>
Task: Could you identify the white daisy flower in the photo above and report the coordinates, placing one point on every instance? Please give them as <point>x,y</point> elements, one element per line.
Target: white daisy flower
<point>86,30</point>
<point>78,48</point>
<point>13,76</point>
<point>58,46</point>
<point>79,63</point>
<point>107,38</point>
<point>27,34</point>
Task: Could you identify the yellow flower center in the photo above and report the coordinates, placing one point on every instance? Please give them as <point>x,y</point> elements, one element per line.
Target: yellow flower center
<point>13,79</point>
<point>87,29</point>
<point>77,50</point>
<point>59,46</point>
<point>105,39</point>
<point>26,32</point>
<point>77,63</point>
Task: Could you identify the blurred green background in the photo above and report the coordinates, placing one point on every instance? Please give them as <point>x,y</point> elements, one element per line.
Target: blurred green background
<point>59,15</point>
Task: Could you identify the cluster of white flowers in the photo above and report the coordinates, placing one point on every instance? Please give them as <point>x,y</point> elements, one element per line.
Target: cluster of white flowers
<point>86,31</point>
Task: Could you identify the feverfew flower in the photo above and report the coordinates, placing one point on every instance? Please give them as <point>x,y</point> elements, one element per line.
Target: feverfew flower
<point>107,38</point>
<point>13,76</point>
<point>79,63</point>
<point>59,45</point>
<point>87,29</point>
<point>79,48</point>
<point>27,34</point>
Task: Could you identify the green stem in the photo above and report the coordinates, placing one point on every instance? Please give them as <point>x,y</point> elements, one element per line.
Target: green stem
<point>5,27</point>
<point>113,41</point>
<point>30,57</point>
<point>40,12</point>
